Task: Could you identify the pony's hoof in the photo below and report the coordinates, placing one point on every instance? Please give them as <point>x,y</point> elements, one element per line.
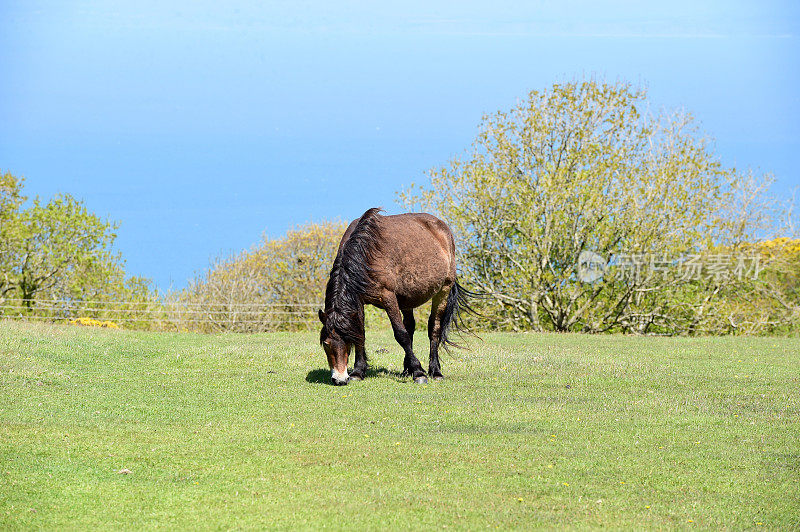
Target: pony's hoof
<point>438,378</point>
<point>421,380</point>
<point>354,378</point>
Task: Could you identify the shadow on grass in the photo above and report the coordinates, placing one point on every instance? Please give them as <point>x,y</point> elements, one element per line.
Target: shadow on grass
<point>323,376</point>
<point>319,376</point>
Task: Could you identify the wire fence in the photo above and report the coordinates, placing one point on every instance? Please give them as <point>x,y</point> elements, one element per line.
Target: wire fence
<point>211,316</point>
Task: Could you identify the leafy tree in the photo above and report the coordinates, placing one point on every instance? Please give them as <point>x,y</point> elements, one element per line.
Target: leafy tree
<point>770,304</point>
<point>59,251</point>
<point>275,285</point>
<point>583,167</point>
<point>10,200</point>
<point>62,242</point>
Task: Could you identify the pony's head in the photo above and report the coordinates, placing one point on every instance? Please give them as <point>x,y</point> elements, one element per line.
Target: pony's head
<point>343,317</point>
<point>336,349</point>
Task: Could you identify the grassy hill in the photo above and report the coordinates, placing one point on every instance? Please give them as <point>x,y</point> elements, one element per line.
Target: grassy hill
<point>527,430</point>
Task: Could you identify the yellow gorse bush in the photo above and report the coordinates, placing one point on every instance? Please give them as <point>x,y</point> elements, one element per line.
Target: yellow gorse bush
<point>91,322</point>
<point>781,246</point>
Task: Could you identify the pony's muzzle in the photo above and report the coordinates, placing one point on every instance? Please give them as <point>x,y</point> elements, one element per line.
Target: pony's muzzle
<point>339,378</point>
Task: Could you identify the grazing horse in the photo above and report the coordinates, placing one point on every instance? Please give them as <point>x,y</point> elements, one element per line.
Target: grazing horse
<point>395,263</point>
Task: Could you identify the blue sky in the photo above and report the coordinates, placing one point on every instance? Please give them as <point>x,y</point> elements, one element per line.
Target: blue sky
<point>201,125</point>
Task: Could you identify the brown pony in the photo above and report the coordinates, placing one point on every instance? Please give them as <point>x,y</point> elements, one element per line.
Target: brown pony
<point>395,263</point>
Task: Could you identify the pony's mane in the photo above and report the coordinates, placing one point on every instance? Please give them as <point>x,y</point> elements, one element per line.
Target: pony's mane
<point>350,279</point>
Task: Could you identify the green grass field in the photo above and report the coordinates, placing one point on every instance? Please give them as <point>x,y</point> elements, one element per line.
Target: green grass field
<point>527,430</point>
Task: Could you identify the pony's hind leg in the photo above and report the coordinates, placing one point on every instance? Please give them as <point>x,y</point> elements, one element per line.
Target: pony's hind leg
<point>438,306</point>
<point>411,365</point>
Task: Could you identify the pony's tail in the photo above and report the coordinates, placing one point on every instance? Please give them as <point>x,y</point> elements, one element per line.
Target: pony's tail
<point>458,304</point>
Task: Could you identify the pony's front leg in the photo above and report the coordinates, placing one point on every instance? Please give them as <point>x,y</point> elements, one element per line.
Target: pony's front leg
<point>360,365</point>
<point>411,365</point>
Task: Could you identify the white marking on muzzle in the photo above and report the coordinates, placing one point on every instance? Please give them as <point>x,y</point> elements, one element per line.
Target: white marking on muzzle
<point>339,377</point>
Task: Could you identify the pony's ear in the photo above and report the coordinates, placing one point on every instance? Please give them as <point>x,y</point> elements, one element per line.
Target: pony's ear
<point>321,316</point>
